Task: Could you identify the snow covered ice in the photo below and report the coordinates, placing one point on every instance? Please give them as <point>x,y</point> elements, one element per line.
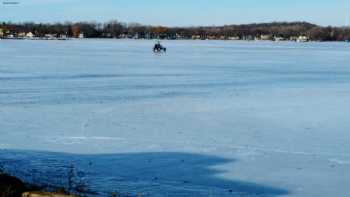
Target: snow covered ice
<point>208,118</point>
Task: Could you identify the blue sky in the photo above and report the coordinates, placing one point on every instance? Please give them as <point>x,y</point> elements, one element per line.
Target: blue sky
<point>179,12</point>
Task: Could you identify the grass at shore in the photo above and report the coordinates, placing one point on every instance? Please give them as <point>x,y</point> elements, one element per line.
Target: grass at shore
<point>13,187</point>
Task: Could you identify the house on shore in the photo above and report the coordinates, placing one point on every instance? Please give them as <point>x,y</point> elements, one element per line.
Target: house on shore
<point>248,37</point>
<point>10,36</point>
<point>278,39</point>
<point>178,37</point>
<point>30,35</point>
<point>196,37</point>
<point>50,36</point>
<point>211,37</point>
<point>2,33</point>
<point>302,39</point>
<point>265,37</point>
<point>222,38</point>
<point>21,35</point>
<point>234,38</point>
<point>63,37</point>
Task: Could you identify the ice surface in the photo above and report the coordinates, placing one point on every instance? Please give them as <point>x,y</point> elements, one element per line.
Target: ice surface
<point>208,118</point>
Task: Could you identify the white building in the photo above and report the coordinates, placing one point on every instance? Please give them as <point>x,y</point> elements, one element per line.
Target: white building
<point>265,37</point>
<point>234,38</point>
<point>50,36</point>
<point>29,35</point>
<point>278,39</point>
<point>302,39</point>
<point>21,35</point>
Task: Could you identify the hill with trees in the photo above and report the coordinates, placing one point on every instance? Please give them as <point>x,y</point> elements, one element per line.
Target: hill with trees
<point>116,29</point>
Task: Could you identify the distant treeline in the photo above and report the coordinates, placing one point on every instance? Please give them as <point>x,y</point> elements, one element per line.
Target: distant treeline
<point>115,29</point>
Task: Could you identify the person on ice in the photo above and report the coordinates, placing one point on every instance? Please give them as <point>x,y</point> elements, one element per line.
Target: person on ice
<point>158,47</point>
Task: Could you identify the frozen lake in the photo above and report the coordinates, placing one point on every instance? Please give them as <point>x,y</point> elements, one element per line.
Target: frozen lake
<point>209,118</point>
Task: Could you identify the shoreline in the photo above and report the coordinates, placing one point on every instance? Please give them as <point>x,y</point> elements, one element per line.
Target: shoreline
<point>225,40</point>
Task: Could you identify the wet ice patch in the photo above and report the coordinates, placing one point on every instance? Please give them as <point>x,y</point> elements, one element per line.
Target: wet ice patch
<point>83,139</point>
<point>340,161</point>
